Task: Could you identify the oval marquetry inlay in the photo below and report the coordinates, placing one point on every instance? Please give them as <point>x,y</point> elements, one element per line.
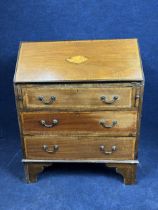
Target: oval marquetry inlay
<point>77,59</point>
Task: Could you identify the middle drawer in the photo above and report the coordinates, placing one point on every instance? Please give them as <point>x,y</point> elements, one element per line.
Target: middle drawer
<point>110,123</point>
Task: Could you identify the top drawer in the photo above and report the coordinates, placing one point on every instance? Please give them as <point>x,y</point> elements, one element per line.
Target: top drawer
<point>77,98</point>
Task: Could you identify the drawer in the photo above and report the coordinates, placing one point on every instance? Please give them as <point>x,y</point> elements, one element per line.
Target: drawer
<point>99,98</point>
<point>64,147</point>
<point>110,123</point>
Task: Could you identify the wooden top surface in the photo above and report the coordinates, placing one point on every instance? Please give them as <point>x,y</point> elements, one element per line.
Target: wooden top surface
<point>97,60</point>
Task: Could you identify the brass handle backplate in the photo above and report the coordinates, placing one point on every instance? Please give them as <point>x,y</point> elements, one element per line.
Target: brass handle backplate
<point>44,101</point>
<point>102,149</point>
<point>106,101</point>
<point>52,149</point>
<point>54,122</point>
<point>104,124</point>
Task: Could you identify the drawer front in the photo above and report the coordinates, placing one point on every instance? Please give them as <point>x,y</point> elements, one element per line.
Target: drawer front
<point>77,98</point>
<point>113,123</point>
<point>84,147</point>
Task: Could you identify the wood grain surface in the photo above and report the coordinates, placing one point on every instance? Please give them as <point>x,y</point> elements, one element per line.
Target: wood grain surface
<point>80,98</point>
<point>80,122</point>
<point>85,147</point>
<point>107,60</point>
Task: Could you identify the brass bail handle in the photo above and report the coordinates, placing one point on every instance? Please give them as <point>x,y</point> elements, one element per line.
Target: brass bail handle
<point>106,101</point>
<point>52,149</point>
<point>54,122</point>
<point>103,149</point>
<point>104,124</point>
<point>47,102</point>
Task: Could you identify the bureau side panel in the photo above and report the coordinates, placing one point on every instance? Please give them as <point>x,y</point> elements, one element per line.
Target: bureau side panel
<point>139,93</point>
<point>19,106</point>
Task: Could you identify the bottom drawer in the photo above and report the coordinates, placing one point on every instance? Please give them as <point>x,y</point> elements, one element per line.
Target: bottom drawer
<point>79,148</point>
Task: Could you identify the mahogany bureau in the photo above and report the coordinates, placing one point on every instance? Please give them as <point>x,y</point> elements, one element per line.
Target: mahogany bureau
<point>79,101</point>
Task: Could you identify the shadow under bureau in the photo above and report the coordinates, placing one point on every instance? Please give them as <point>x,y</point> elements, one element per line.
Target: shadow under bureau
<point>79,101</point>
